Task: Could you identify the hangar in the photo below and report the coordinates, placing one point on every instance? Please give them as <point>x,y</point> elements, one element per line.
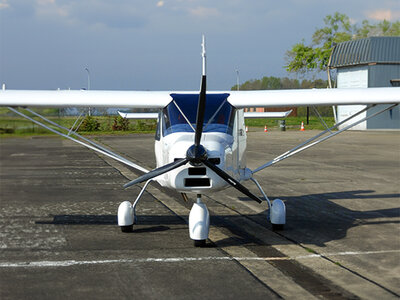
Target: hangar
<point>363,63</point>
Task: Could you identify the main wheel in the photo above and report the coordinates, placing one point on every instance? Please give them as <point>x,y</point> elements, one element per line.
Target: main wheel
<point>199,243</point>
<point>277,227</point>
<point>278,215</point>
<point>128,228</point>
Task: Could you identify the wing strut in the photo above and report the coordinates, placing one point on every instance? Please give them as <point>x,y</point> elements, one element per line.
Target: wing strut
<point>307,144</point>
<point>89,144</point>
<point>320,118</point>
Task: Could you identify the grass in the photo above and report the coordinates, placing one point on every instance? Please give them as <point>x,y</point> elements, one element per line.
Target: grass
<point>310,250</point>
<point>292,123</point>
<point>18,126</point>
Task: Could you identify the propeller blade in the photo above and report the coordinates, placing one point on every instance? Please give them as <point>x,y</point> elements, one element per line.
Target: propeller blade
<point>157,172</point>
<point>233,182</point>
<point>201,107</point>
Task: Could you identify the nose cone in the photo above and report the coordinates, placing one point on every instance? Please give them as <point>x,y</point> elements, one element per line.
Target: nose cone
<point>195,177</point>
<point>196,155</point>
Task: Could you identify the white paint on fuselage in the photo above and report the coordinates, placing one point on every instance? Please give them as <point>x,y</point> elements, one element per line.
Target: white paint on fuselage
<point>230,149</point>
<point>175,145</point>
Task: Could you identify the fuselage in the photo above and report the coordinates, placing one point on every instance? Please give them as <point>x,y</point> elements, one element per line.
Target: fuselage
<point>224,139</point>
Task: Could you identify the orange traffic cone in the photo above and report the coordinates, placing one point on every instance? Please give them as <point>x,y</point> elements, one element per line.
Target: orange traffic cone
<point>247,128</point>
<point>302,126</point>
<point>265,128</point>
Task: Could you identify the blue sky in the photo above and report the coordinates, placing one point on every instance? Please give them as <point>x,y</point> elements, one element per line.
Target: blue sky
<point>155,45</point>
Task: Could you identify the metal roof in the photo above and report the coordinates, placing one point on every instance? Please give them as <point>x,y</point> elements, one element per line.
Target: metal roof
<point>385,50</point>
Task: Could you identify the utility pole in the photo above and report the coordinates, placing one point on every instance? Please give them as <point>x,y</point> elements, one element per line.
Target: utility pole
<point>237,78</point>
<point>88,85</point>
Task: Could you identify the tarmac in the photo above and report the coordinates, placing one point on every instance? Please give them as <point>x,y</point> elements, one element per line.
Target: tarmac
<point>59,236</point>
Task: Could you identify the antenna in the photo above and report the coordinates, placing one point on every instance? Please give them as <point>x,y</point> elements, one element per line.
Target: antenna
<point>203,54</point>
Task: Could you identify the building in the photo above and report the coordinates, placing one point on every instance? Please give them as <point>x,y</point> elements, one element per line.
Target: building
<point>369,62</point>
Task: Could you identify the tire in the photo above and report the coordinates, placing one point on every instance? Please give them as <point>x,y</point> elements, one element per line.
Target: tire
<point>128,228</point>
<point>200,243</point>
<point>277,227</point>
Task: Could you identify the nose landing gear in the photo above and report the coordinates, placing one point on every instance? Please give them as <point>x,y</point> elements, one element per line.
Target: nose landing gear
<point>199,223</point>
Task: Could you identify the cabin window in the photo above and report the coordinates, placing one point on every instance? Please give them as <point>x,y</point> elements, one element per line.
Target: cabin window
<point>157,137</point>
<point>180,114</point>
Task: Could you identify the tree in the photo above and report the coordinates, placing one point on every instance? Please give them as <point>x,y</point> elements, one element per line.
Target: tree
<point>276,83</point>
<point>384,28</point>
<point>302,58</point>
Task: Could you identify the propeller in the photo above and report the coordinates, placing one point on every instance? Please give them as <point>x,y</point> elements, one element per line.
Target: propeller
<point>158,172</point>
<point>196,155</point>
<point>201,108</point>
<point>233,182</point>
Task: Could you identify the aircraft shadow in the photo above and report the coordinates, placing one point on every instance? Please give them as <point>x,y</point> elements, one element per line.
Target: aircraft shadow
<point>110,220</point>
<point>153,223</point>
<point>311,219</point>
<point>315,219</point>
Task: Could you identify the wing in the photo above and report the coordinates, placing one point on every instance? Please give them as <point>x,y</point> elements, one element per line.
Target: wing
<point>67,98</point>
<point>239,99</point>
<point>316,97</point>
<point>120,99</point>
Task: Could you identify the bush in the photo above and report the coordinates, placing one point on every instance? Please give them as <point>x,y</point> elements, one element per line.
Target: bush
<point>145,125</point>
<point>120,123</point>
<point>89,124</point>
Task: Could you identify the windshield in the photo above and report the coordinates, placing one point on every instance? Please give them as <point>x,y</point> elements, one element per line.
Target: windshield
<point>180,114</point>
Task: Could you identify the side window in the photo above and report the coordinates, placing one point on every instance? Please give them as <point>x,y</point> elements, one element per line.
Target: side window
<point>158,128</point>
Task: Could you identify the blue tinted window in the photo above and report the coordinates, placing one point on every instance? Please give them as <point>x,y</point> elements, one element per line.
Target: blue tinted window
<point>218,117</point>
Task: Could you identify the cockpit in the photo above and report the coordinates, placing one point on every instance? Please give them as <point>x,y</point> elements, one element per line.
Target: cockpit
<point>180,114</point>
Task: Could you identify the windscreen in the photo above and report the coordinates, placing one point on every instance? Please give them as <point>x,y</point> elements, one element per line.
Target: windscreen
<point>180,114</point>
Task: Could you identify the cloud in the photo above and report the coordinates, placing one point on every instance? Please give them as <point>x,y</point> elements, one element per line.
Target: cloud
<point>204,12</point>
<point>50,9</point>
<point>110,16</point>
<point>93,13</point>
<point>45,2</point>
<point>383,14</point>
<point>4,4</point>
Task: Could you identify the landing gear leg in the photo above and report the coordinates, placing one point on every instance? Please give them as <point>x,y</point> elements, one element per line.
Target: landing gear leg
<point>199,223</point>
<point>277,210</point>
<point>127,212</point>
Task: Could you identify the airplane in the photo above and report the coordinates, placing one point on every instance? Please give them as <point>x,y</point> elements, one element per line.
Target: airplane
<point>200,140</point>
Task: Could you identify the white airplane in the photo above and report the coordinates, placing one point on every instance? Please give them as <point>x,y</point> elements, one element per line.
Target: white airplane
<point>200,139</point>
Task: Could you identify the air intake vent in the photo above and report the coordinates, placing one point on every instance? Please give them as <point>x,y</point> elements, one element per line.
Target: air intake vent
<point>192,182</point>
<point>197,171</point>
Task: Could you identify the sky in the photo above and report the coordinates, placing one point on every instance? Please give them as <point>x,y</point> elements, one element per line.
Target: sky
<point>155,44</point>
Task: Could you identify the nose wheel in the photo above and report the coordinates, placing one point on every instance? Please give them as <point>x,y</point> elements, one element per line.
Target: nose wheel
<point>200,243</point>
<point>199,223</point>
